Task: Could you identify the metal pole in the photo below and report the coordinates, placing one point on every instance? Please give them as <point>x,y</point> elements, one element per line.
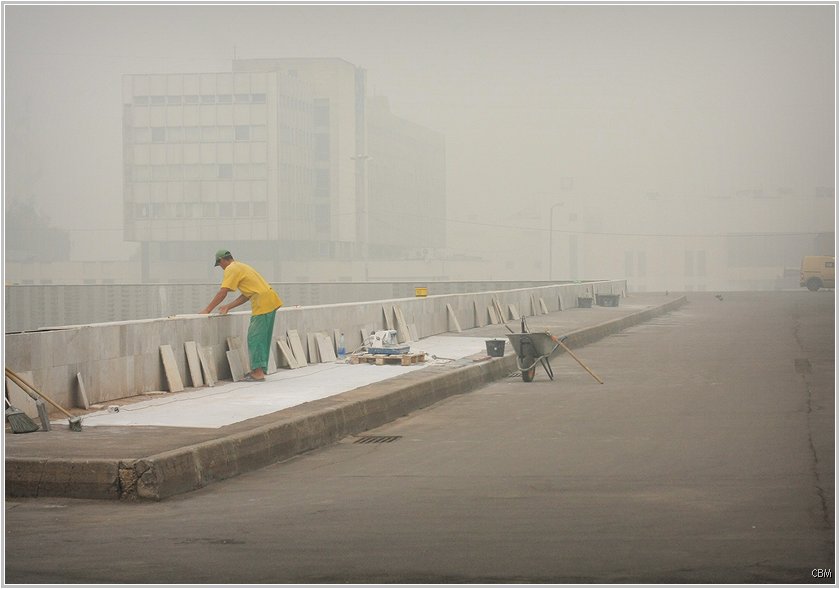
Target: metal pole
<point>551,240</point>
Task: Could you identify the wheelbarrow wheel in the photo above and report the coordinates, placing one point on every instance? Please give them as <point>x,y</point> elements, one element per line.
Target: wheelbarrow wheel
<point>528,375</point>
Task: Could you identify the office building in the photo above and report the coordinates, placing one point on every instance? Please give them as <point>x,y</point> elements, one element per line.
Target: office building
<point>286,162</point>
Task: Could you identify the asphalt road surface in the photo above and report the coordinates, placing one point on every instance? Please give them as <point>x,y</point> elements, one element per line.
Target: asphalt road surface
<point>706,457</point>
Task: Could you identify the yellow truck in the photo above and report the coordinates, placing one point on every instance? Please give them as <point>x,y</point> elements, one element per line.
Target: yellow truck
<point>817,272</point>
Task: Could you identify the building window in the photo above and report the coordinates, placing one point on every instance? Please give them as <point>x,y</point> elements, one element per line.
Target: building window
<point>243,209</point>
<point>158,134</point>
<point>243,98</point>
<point>321,113</point>
<point>191,99</point>
<point>141,174</point>
<point>322,217</point>
<point>209,171</point>
<point>260,209</point>
<point>173,99</point>
<point>141,100</point>
<point>209,134</point>
<point>225,98</point>
<point>192,172</point>
<point>175,134</point>
<point>689,263</point>
<point>322,147</point>
<point>322,183</point>
<point>158,100</point>
<point>225,170</point>
<point>259,133</point>
<point>243,133</point>
<point>142,135</point>
<point>225,209</point>
<point>208,99</point>
<point>225,133</point>
<point>258,98</point>
<point>208,209</point>
<point>285,134</point>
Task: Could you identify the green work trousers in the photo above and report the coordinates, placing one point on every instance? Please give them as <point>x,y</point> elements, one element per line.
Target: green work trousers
<point>260,330</point>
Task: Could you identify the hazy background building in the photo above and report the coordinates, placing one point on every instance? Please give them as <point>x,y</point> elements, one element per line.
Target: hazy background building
<point>272,161</point>
<point>684,146</point>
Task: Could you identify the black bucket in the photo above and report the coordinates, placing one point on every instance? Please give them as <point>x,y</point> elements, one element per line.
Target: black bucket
<point>495,347</point>
<point>606,300</point>
<point>585,302</point>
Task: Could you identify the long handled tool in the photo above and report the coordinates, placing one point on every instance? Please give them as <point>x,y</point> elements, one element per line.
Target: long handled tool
<point>585,367</point>
<point>19,421</point>
<point>75,422</point>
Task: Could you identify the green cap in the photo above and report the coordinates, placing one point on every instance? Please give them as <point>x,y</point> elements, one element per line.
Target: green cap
<point>221,254</point>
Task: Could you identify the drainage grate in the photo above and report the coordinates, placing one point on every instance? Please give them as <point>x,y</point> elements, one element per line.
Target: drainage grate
<point>376,439</point>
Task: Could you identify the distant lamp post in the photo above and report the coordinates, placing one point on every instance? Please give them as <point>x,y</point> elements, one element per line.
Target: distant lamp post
<point>361,202</point>
<point>551,240</point>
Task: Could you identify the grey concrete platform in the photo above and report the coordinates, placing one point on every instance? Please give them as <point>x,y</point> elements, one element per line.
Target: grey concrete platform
<point>153,462</point>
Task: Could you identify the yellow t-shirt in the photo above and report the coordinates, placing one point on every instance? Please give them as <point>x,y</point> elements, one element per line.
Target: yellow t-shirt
<point>250,283</point>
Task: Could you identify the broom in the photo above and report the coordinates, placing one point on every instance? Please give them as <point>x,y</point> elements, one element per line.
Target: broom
<point>20,421</point>
<point>75,422</point>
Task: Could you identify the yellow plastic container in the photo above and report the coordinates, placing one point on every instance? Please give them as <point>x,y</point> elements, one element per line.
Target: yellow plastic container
<point>420,291</point>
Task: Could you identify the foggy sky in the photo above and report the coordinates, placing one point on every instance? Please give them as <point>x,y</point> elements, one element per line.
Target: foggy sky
<point>687,102</point>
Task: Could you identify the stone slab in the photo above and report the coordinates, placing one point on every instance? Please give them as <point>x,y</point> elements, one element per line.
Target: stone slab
<point>287,357</point>
<point>206,367</point>
<point>237,371</point>
<point>491,313</point>
<point>312,344</point>
<point>297,347</point>
<point>83,398</point>
<point>326,352</point>
<point>235,343</point>
<point>454,325</point>
<point>194,364</point>
<point>170,368</point>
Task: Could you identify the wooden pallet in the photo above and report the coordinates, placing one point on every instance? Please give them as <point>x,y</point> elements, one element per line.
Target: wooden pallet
<point>380,359</point>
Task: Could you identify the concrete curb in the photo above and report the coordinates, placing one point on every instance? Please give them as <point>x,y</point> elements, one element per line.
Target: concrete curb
<point>297,430</point>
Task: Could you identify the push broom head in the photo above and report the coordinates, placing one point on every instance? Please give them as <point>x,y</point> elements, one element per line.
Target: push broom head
<point>20,421</point>
<point>75,424</point>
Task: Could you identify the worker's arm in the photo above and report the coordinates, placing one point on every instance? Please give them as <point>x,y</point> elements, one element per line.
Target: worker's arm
<point>220,296</point>
<point>240,300</point>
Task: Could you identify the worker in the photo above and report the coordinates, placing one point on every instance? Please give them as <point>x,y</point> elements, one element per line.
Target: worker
<point>264,305</point>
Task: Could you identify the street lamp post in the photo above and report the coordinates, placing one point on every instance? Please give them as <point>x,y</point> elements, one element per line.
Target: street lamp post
<point>551,239</point>
<point>362,237</point>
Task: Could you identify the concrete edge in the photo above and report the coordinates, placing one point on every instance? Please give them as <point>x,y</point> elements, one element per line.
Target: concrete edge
<point>298,430</point>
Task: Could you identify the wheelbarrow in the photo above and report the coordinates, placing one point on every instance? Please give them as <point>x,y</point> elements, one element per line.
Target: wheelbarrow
<point>532,349</point>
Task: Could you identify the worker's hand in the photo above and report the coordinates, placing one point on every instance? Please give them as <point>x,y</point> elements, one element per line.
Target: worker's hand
<point>223,310</point>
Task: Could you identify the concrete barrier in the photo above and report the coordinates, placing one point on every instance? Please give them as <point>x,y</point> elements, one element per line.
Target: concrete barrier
<point>122,359</point>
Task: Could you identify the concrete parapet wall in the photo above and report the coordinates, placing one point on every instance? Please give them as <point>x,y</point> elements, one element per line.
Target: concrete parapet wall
<point>38,306</point>
<point>118,360</point>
